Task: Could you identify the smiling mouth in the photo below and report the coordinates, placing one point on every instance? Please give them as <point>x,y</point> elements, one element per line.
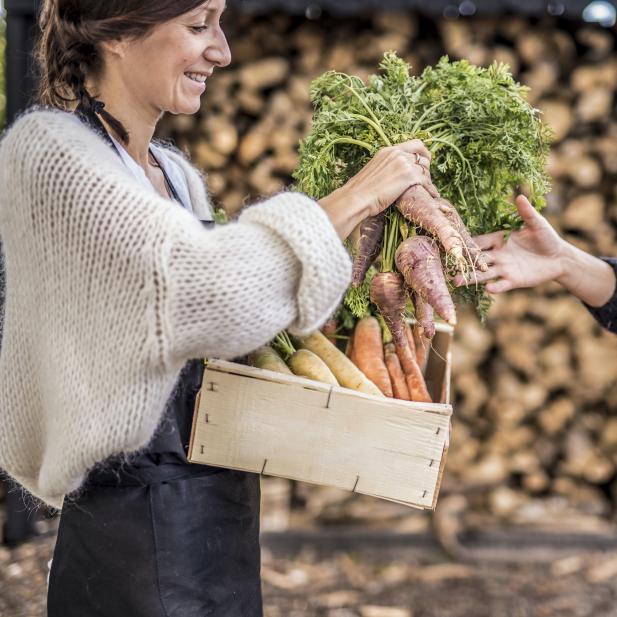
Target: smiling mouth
<point>200,78</point>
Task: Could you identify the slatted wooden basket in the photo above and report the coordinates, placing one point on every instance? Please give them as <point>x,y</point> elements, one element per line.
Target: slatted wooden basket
<point>282,425</point>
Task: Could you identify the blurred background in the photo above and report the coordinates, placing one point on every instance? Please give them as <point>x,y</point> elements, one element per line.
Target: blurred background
<point>526,524</point>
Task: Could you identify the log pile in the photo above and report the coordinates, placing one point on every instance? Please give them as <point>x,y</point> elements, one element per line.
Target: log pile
<point>535,431</point>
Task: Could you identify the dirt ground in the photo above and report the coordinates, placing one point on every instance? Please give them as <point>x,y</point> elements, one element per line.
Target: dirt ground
<point>358,574</point>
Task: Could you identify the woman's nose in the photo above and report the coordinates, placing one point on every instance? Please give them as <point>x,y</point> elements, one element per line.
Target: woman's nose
<point>219,53</point>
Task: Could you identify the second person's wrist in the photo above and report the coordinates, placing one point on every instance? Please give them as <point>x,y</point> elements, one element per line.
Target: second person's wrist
<point>568,264</point>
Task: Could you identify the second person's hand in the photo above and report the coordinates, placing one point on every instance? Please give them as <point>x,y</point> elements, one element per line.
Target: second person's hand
<point>531,256</point>
<point>537,254</point>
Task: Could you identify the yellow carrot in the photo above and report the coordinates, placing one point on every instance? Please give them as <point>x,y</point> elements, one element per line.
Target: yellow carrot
<point>266,358</point>
<point>305,363</point>
<point>346,372</point>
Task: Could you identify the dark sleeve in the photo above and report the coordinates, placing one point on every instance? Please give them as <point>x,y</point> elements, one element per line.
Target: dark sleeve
<point>606,315</point>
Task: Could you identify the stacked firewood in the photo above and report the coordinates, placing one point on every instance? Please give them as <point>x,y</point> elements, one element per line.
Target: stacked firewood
<point>536,386</point>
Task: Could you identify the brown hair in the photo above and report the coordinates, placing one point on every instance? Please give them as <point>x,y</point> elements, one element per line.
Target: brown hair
<point>67,51</point>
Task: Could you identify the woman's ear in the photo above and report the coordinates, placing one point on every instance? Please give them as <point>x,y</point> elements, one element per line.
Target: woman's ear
<point>115,47</point>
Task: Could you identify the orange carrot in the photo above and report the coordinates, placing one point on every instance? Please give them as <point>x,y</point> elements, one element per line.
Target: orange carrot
<point>410,339</point>
<point>413,374</point>
<point>417,344</point>
<point>413,348</point>
<point>422,346</point>
<point>368,354</point>
<point>397,377</point>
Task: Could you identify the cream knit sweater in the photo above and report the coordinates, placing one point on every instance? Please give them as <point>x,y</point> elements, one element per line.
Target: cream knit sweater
<point>111,289</point>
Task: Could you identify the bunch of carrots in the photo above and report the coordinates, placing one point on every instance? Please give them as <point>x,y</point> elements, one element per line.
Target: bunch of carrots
<point>411,265</point>
<point>486,140</point>
<point>404,248</point>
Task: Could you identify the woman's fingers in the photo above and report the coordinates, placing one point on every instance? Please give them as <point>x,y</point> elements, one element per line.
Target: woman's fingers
<point>415,146</point>
<point>494,284</point>
<point>421,175</point>
<point>424,162</point>
<point>430,188</point>
<point>391,172</point>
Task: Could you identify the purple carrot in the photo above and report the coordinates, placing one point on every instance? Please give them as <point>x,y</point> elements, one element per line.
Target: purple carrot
<point>389,295</point>
<point>369,247</point>
<point>424,315</point>
<point>419,261</point>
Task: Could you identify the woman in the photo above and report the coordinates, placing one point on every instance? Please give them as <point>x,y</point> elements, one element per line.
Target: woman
<point>115,290</point>
<point>536,254</point>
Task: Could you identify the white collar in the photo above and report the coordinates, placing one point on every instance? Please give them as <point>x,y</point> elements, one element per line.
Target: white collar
<point>175,174</point>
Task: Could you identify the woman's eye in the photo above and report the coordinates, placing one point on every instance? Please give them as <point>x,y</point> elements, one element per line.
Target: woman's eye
<point>199,28</point>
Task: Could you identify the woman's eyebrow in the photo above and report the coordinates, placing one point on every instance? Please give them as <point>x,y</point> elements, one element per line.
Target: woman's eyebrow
<point>210,9</point>
<point>207,9</point>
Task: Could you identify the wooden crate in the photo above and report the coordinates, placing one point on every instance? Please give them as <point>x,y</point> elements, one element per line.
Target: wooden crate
<point>287,426</point>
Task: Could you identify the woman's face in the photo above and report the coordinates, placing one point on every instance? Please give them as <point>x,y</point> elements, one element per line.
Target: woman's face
<point>169,67</point>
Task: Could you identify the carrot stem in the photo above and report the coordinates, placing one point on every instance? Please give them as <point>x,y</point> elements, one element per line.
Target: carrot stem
<point>283,345</point>
<point>391,240</point>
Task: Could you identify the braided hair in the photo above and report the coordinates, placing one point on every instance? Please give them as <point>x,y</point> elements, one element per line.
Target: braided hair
<point>68,50</point>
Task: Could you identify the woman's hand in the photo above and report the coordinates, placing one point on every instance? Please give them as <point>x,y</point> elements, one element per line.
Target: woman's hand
<point>379,184</point>
<point>536,254</point>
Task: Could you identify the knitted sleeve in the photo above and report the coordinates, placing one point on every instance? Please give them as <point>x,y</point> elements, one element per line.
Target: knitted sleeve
<point>606,315</point>
<point>231,289</point>
<point>140,263</point>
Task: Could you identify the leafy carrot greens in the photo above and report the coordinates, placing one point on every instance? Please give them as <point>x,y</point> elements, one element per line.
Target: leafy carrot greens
<point>487,142</point>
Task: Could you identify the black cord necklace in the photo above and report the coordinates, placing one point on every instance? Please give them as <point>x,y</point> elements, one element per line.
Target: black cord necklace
<point>155,163</point>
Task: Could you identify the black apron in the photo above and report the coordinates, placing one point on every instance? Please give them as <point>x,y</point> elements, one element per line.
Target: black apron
<point>155,536</point>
